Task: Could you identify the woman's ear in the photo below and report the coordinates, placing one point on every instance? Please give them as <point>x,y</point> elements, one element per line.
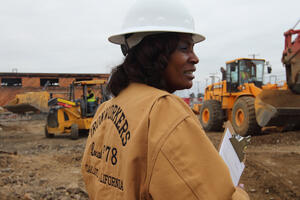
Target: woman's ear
<point>124,49</point>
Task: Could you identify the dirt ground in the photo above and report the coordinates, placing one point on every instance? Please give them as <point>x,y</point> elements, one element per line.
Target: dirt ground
<point>35,167</point>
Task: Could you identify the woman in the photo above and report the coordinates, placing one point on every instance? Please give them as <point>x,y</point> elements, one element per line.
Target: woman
<point>146,143</point>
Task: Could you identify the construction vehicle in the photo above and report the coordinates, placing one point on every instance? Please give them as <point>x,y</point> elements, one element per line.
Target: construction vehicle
<point>196,105</point>
<point>36,102</point>
<point>243,99</point>
<point>29,101</point>
<point>247,103</point>
<point>33,101</point>
<point>270,105</point>
<point>291,59</point>
<point>72,115</point>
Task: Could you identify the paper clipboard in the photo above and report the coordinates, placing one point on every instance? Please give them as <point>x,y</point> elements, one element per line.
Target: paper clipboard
<point>232,150</point>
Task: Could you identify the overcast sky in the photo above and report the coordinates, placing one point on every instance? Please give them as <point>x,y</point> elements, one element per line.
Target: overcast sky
<point>70,36</point>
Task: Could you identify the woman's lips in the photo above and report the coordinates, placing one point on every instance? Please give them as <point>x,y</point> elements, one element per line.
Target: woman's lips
<point>189,74</point>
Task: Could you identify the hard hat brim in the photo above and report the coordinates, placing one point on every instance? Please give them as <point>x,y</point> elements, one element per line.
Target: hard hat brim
<point>120,37</point>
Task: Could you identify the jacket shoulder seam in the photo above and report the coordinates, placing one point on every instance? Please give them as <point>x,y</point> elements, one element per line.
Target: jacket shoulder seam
<point>158,147</point>
<point>177,172</point>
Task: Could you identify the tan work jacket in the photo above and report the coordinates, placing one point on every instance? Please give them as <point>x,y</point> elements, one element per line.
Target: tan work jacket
<point>148,144</point>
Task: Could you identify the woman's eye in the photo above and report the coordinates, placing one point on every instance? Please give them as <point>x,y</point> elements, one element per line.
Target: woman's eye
<point>184,48</point>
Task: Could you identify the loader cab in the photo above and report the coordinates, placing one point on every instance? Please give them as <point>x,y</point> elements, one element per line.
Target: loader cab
<point>87,108</point>
<point>244,70</point>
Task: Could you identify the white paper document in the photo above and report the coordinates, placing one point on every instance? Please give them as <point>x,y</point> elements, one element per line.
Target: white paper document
<point>231,158</point>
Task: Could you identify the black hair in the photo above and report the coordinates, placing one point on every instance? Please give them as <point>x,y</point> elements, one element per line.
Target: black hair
<point>144,63</point>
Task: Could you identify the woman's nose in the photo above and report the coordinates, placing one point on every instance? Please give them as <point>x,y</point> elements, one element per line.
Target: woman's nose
<point>194,58</point>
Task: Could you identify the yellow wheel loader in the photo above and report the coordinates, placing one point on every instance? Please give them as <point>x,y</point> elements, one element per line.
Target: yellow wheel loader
<point>243,99</point>
<point>73,115</point>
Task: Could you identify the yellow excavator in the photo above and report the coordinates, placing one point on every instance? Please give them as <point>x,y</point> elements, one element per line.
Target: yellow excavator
<point>73,115</point>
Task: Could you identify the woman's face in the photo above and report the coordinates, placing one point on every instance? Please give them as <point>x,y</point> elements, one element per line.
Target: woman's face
<point>179,72</point>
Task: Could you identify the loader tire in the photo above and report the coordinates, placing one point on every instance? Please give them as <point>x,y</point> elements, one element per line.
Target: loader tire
<point>47,134</point>
<point>244,118</point>
<point>74,132</point>
<point>211,116</point>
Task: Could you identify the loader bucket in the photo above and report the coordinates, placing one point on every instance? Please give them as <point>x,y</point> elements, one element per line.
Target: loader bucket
<point>277,108</point>
<point>29,101</point>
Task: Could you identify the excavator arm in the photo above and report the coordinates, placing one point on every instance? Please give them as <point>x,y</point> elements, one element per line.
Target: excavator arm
<point>291,59</point>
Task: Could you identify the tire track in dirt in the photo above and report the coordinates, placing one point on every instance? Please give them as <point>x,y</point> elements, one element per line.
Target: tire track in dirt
<point>268,182</point>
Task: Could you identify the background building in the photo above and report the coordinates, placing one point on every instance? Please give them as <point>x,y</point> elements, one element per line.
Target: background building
<point>55,83</point>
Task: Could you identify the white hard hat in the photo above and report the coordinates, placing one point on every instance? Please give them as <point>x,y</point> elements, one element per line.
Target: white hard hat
<point>149,17</point>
